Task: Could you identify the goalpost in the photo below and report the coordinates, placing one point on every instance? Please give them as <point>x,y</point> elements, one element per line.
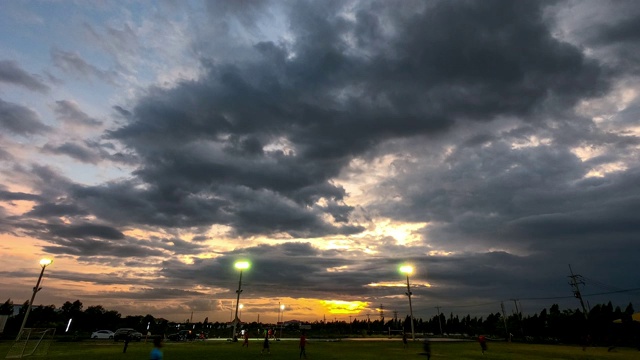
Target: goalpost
<point>31,342</point>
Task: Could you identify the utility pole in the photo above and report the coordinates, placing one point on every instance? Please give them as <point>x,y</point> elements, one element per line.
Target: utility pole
<point>575,282</point>
<point>504,318</point>
<point>439,321</point>
<point>368,324</point>
<point>519,315</point>
<point>382,313</point>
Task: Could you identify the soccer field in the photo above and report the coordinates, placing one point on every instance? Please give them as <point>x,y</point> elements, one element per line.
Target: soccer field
<point>318,350</point>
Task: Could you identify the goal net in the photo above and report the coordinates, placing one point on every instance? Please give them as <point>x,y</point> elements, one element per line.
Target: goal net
<point>31,342</point>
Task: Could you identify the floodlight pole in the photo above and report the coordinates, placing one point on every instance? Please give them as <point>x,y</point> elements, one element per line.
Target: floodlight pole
<point>43,264</point>
<point>237,320</point>
<point>281,320</point>
<point>413,334</point>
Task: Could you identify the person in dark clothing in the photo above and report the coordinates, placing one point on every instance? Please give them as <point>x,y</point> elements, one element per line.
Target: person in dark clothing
<point>265,345</point>
<point>303,344</point>
<point>426,346</point>
<point>246,338</point>
<point>127,338</point>
<point>483,343</point>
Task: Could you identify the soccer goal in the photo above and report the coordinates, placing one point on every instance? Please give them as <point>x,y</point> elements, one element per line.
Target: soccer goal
<point>31,342</point>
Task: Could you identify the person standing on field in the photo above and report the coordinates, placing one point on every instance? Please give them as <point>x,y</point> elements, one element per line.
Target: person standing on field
<point>426,346</point>
<point>246,338</point>
<point>303,344</point>
<point>265,345</point>
<point>156,353</point>
<point>483,343</point>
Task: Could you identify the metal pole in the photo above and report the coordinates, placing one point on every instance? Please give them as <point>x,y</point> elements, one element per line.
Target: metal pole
<point>236,320</point>
<point>26,314</point>
<point>413,334</point>
<point>281,321</point>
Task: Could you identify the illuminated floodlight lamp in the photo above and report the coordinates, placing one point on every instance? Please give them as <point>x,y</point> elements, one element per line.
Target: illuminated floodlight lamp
<point>408,270</point>
<point>43,264</point>
<point>281,319</point>
<point>242,265</point>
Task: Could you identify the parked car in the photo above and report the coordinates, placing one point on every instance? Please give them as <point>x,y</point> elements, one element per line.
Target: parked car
<point>102,334</point>
<point>124,333</point>
<point>182,335</point>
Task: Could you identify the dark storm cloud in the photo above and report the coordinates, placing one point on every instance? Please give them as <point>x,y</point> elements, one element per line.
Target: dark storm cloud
<point>87,230</point>
<point>86,248</point>
<point>533,198</point>
<point>20,120</point>
<point>332,99</point>
<point>12,73</point>
<point>10,196</point>
<point>288,268</point>
<point>178,246</point>
<point>151,293</point>
<point>611,36</point>
<point>474,102</point>
<point>479,280</point>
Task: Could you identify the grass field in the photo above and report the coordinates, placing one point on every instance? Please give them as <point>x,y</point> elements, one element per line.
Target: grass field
<point>320,350</point>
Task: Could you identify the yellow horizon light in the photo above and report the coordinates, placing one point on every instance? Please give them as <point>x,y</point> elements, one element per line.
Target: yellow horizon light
<point>344,307</point>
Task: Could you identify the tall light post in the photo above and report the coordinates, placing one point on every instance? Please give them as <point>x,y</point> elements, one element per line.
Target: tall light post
<point>407,270</point>
<point>240,265</point>
<point>281,319</point>
<point>43,263</point>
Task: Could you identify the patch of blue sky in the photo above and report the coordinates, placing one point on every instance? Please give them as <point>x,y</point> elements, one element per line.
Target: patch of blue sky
<point>83,173</point>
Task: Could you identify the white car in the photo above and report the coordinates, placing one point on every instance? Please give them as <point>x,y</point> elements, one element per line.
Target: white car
<point>102,334</point>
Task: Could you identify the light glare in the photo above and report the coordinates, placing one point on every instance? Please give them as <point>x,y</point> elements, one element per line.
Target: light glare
<point>406,269</point>
<point>242,265</point>
<point>45,262</point>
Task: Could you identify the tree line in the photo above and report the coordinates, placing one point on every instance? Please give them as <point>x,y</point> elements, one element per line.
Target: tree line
<point>603,325</point>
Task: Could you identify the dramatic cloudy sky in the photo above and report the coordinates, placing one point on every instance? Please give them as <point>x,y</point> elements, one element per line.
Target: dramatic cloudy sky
<point>147,146</point>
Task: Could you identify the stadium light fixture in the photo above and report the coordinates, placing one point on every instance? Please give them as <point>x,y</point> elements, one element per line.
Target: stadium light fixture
<point>408,270</point>
<point>43,264</point>
<point>240,265</point>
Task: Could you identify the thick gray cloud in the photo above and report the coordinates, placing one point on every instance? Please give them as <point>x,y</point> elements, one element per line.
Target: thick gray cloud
<point>482,111</point>
<point>449,62</point>
<point>11,73</point>
<point>69,112</point>
<point>19,120</point>
<point>75,151</point>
